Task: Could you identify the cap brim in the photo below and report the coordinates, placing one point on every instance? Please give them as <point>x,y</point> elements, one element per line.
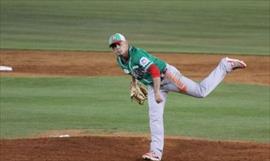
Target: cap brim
<point>114,43</point>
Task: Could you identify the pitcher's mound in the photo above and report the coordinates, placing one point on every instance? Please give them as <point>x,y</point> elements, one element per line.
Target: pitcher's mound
<point>105,148</point>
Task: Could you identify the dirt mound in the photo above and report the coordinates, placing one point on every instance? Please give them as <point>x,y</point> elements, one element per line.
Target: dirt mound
<point>97,148</point>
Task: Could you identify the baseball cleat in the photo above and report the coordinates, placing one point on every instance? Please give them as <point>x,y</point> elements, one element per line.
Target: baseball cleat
<point>236,64</point>
<point>151,156</point>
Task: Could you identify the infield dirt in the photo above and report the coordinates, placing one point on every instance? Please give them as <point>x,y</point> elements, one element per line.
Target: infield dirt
<point>126,148</point>
<point>194,66</point>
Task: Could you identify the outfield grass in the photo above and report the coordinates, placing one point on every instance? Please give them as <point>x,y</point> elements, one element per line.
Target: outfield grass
<point>209,26</point>
<point>30,106</point>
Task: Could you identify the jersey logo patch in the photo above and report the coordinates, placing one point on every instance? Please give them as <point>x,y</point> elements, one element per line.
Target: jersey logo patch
<point>144,61</point>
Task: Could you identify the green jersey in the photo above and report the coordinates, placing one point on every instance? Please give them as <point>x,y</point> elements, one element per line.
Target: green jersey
<point>138,63</point>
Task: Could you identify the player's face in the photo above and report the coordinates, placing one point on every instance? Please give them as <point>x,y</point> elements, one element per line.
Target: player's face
<point>120,48</point>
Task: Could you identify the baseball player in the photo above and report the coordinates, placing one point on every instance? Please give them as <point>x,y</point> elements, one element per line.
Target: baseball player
<point>160,79</point>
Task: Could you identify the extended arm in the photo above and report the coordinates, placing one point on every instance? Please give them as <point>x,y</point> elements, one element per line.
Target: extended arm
<point>155,73</point>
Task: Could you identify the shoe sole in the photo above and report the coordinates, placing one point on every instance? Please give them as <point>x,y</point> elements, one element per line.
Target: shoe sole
<point>148,158</point>
<point>243,64</point>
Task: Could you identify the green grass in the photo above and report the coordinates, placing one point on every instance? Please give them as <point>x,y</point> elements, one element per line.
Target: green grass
<point>209,26</point>
<point>30,106</point>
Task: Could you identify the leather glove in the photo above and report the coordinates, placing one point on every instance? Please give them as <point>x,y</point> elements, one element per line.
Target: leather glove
<point>138,93</point>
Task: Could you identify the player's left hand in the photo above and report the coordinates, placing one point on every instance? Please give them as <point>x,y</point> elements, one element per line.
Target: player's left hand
<point>138,92</point>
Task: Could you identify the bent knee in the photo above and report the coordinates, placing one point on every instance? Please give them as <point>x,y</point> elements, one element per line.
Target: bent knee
<point>202,94</point>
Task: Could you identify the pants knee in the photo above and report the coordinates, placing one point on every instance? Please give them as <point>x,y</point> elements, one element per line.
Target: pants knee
<point>202,92</point>
<point>201,95</point>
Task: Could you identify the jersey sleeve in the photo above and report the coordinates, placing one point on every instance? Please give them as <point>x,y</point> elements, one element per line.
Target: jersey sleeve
<point>154,71</point>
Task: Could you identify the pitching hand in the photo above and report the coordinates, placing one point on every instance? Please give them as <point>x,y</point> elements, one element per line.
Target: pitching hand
<point>158,97</point>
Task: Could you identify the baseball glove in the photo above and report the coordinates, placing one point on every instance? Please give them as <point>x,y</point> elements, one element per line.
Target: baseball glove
<point>138,93</point>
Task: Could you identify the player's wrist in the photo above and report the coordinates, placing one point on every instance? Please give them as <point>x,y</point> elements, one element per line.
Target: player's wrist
<point>157,93</point>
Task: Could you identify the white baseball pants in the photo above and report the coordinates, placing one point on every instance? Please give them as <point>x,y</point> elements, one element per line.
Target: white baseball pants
<point>174,81</point>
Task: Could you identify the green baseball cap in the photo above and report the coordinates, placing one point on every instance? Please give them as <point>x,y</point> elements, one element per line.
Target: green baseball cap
<point>115,38</point>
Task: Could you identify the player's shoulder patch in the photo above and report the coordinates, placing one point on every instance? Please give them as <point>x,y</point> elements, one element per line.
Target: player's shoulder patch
<point>144,61</point>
